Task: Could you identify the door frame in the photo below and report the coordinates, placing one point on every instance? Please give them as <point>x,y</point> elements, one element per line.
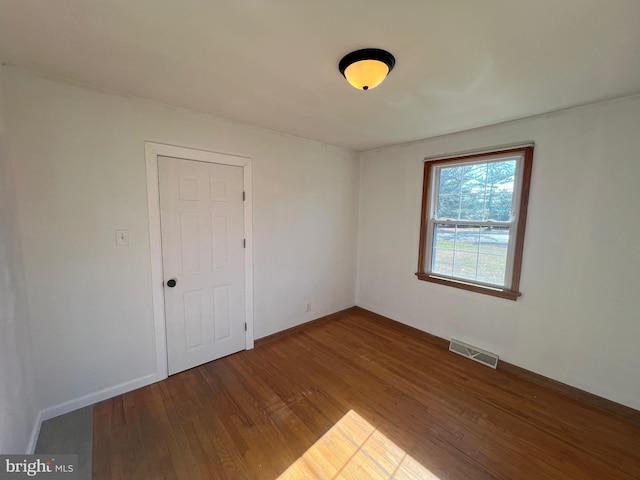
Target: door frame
<point>152,152</point>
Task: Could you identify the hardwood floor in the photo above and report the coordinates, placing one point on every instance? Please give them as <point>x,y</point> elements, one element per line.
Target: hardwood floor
<point>354,397</point>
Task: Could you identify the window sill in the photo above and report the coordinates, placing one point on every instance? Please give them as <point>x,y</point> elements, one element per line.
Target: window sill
<point>493,291</point>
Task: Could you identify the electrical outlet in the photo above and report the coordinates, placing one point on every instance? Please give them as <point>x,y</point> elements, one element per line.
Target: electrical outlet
<point>307,306</point>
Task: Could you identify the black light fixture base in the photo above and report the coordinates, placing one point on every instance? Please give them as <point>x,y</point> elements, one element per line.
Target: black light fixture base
<point>367,54</point>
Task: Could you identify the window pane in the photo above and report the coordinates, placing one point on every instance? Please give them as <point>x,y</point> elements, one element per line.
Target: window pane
<point>494,240</point>
<point>480,192</point>
<point>466,238</point>
<point>491,269</point>
<point>472,207</point>
<point>465,265</point>
<point>444,237</point>
<point>474,178</point>
<point>443,247</point>
<point>443,261</point>
<point>499,190</point>
<point>450,179</point>
<point>449,207</point>
<point>471,252</point>
<point>492,259</point>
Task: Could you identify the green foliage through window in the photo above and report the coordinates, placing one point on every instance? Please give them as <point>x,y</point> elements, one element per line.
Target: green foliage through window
<point>482,191</point>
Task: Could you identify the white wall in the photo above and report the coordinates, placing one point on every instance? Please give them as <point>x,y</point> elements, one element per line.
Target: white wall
<point>578,320</point>
<point>79,168</point>
<point>77,156</point>
<point>18,411</point>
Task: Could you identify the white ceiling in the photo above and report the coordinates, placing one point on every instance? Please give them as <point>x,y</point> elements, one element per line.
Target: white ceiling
<point>273,63</point>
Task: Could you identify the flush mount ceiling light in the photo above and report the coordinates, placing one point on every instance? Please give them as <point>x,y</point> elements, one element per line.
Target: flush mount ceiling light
<point>367,68</point>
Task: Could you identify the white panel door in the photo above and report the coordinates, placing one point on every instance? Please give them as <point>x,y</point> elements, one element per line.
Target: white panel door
<point>202,226</point>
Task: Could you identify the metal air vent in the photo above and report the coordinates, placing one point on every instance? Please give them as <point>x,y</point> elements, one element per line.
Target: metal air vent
<point>476,354</point>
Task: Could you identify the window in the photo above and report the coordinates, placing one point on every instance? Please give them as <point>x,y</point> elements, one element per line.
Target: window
<point>474,210</point>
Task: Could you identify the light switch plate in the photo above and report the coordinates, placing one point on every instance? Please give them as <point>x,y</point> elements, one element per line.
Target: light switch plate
<point>122,238</point>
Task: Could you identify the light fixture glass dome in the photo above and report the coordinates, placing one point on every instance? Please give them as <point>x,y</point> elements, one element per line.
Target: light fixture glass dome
<point>366,74</point>
<point>366,69</point>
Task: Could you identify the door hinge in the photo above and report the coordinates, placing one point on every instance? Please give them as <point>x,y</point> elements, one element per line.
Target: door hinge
<point>244,243</point>
<point>244,197</point>
<point>245,326</point>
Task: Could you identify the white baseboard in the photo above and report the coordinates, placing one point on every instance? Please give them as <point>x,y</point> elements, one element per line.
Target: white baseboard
<point>35,433</point>
<point>95,397</point>
<point>85,401</point>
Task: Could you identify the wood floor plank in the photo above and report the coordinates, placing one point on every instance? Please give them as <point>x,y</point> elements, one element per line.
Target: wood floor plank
<point>352,397</point>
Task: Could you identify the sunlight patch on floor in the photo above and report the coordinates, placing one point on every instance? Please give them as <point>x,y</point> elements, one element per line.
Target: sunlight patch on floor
<point>354,448</point>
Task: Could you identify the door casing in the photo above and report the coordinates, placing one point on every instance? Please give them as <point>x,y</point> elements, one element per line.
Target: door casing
<point>152,151</point>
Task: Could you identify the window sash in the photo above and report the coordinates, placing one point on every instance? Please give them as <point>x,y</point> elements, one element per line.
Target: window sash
<point>509,259</point>
<point>517,182</point>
